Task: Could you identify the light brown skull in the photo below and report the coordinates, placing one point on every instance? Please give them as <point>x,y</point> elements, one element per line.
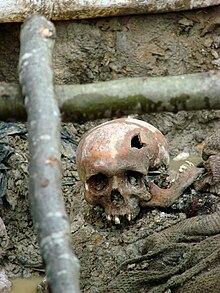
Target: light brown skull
<point>113,161</point>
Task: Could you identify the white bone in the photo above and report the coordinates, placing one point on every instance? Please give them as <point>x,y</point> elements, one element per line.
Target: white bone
<point>108,217</point>
<point>117,220</point>
<point>182,168</point>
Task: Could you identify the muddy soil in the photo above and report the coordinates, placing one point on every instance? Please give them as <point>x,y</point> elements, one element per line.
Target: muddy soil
<point>112,48</point>
<point>98,50</point>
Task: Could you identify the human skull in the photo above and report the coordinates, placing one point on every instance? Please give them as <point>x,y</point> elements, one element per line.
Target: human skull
<point>113,161</point>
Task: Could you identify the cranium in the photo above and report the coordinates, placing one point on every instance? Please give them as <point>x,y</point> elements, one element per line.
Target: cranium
<point>113,162</point>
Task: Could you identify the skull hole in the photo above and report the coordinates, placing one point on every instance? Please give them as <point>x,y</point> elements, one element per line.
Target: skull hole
<point>116,198</point>
<point>134,178</point>
<point>98,182</point>
<point>136,142</point>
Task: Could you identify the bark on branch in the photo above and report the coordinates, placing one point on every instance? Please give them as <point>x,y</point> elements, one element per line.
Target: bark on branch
<point>140,95</point>
<point>19,10</point>
<point>123,97</point>
<point>47,206</point>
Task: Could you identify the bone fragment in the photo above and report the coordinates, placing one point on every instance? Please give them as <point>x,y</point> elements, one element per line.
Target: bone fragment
<point>182,168</point>
<point>190,163</point>
<point>182,156</point>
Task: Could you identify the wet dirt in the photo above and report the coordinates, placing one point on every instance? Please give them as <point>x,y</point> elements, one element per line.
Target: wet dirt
<point>97,243</point>
<point>98,50</point>
<point>116,47</point>
<point>21,285</point>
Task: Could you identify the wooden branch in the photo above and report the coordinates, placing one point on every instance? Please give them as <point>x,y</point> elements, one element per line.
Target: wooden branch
<point>19,10</point>
<point>123,97</point>
<point>47,206</point>
<point>11,102</point>
<point>140,95</point>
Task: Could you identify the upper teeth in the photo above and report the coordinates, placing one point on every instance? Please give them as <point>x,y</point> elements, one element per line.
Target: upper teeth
<point>108,217</point>
<point>117,220</point>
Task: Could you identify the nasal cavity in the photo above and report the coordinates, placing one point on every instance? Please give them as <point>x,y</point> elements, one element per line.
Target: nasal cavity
<point>136,142</point>
<point>116,198</point>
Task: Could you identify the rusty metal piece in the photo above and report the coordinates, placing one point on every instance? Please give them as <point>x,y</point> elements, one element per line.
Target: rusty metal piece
<point>113,161</point>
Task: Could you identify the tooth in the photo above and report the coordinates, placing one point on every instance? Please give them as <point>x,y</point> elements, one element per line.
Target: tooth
<point>86,187</point>
<point>109,218</point>
<point>117,220</point>
<point>129,217</point>
<point>190,163</point>
<point>182,168</point>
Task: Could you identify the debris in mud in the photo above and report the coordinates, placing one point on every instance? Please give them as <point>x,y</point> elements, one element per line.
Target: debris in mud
<point>185,26</point>
<point>5,284</point>
<point>211,156</point>
<point>114,48</point>
<point>4,240</point>
<point>97,243</point>
<point>6,129</point>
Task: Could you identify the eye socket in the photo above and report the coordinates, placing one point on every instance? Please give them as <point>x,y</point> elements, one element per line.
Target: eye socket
<point>98,181</point>
<point>134,177</point>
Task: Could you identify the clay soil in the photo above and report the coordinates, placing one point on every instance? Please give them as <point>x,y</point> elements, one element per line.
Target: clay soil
<point>98,50</point>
